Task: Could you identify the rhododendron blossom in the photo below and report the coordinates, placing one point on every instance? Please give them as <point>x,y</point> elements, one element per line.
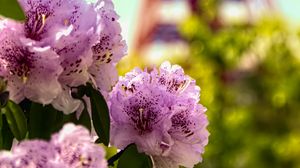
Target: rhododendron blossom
<point>31,71</point>
<point>62,59</point>
<point>71,147</point>
<point>109,49</point>
<point>62,44</point>
<point>159,112</point>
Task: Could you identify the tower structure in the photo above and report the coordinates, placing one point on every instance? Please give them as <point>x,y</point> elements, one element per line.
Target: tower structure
<point>158,23</point>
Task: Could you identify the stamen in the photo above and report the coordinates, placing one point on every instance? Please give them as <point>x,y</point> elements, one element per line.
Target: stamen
<point>141,110</point>
<point>184,85</point>
<point>164,146</point>
<point>44,17</point>
<point>66,22</point>
<point>35,25</point>
<point>24,79</point>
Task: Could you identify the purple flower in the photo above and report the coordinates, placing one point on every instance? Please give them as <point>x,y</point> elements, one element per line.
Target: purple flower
<point>76,149</point>
<point>41,17</point>
<point>101,47</point>
<point>109,48</point>
<point>159,112</point>
<point>69,28</point>
<point>35,153</point>
<point>48,20</point>
<point>6,159</point>
<point>71,147</point>
<point>32,72</point>
<point>29,154</point>
<point>62,44</point>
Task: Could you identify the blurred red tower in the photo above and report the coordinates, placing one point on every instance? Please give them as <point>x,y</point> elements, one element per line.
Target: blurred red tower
<point>158,21</point>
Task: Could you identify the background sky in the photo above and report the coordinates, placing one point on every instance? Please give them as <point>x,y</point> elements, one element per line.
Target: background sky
<point>128,11</point>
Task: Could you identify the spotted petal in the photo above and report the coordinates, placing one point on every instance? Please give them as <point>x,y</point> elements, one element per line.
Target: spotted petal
<point>76,148</point>
<point>109,47</point>
<point>159,112</point>
<point>65,102</point>
<point>31,71</point>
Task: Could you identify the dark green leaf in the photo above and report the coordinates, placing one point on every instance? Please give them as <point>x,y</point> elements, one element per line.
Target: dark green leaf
<point>1,121</point>
<point>78,92</point>
<point>113,160</point>
<point>110,151</point>
<point>25,106</point>
<point>61,119</point>
<point>3,99</point>
<point>84,119</point>
<point>100,114</point>
<point>98,141</point>
<point>16,120</point>
<point>3,84</point>
<point>45,120</point>
<point>41,121</point>
<point>11,9</point>
<point>1,127</point>
<point>6,136</point>
<point>133,159</point>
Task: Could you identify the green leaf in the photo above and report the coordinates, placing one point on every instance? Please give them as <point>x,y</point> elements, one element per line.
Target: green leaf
<point>1,121</point>
<point>6,136</point>
<point>11,9</point>
<point>133,159</point>
<point>26,105</point>
<point>3,84</point>
<point>16,120</point>
<point>3,99</point>
<point>84,119</point>
<point>45,120</point>
<point>41,121</point>
<point>100,114</point>
<point>62,119</point>
<point>1,127</point>
<point>110,152</point>
<point>78,92</point>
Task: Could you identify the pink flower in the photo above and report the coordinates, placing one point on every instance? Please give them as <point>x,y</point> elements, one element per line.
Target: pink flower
<point>32,72</point>
<point>71,147</point>
<point>159,112</point>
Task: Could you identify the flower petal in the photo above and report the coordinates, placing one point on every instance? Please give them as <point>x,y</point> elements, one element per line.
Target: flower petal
<point>76,148</point>
<point>105,76</point>
<point>163,162</point>
<point>33,70</point>
<point>65,102</point>
<point>159,112</point>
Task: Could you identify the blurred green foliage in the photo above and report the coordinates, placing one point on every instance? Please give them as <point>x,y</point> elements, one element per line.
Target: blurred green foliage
<point>250,80</point>
<point>11,9</point>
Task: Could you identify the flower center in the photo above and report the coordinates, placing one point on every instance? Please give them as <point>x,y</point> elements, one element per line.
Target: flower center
<point>20,63</point>
<point>35,23</point>
<point>142,115</point>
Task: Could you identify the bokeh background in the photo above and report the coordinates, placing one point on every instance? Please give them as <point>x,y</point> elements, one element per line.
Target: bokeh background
<point>244,54</point>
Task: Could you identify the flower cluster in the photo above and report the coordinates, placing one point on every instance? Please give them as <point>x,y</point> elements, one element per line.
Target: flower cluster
<point>62,44</point>
<point>159,112</point>
<point>71,147</point>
